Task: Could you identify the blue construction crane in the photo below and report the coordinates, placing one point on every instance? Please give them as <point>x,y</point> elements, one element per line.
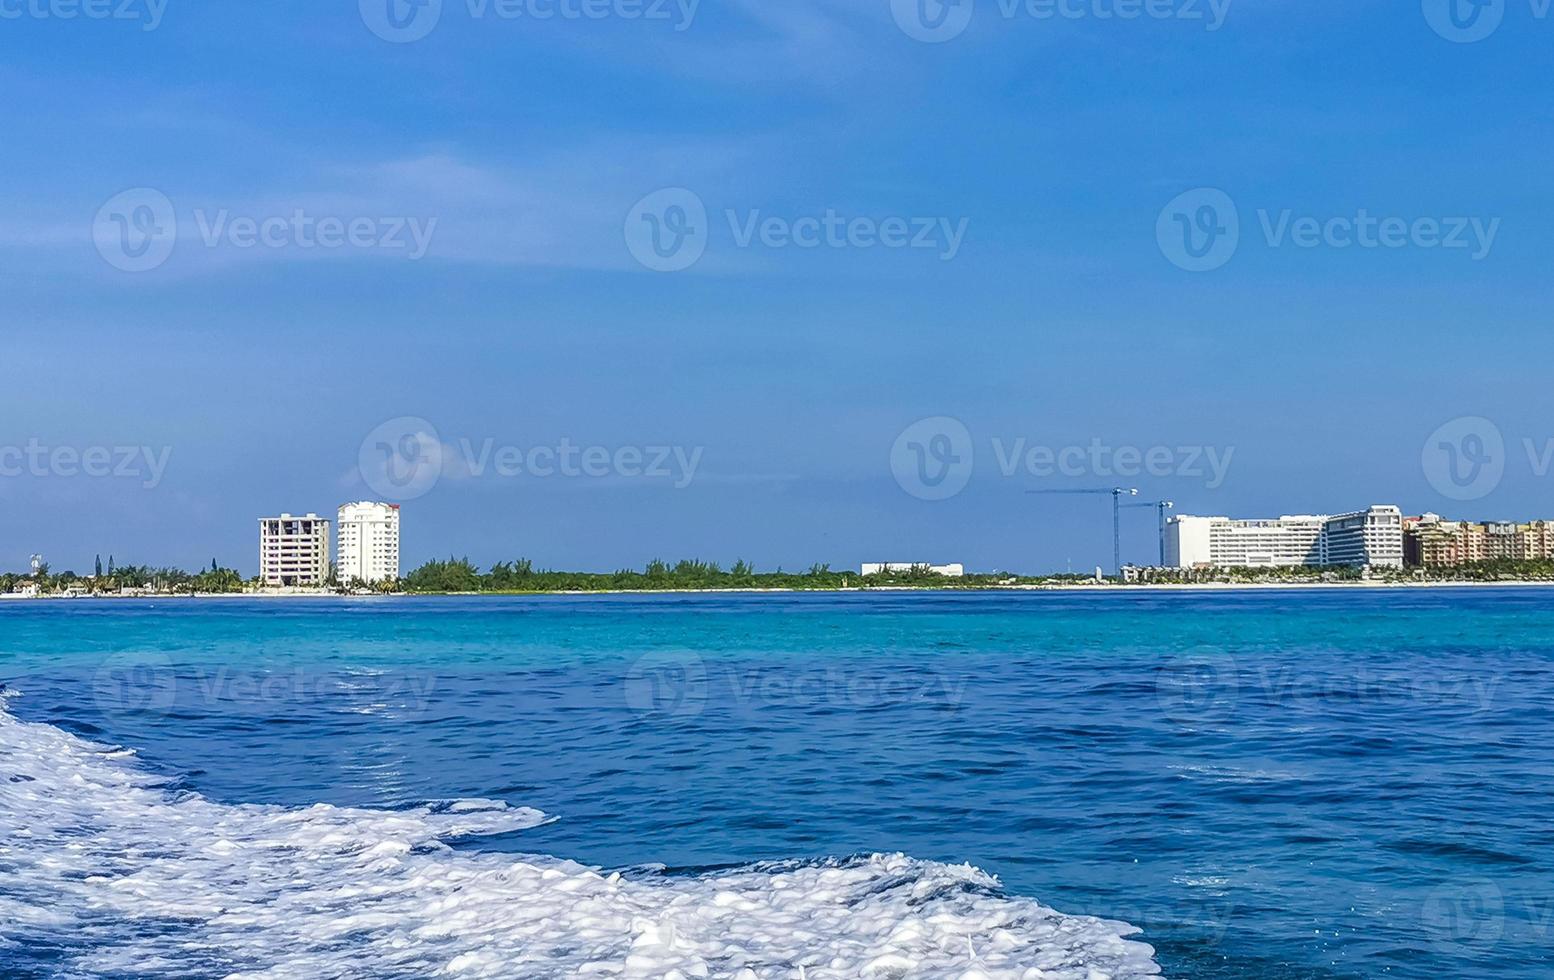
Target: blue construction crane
<point>1117,493</point>
<point>1163,506</point>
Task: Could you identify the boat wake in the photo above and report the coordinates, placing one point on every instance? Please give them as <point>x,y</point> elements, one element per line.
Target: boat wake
<point>107,871</point>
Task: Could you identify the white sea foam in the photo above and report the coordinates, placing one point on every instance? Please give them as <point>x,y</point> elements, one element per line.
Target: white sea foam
<point>100,860</point>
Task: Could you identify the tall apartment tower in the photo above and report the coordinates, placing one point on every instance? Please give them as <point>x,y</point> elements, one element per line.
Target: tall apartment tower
<point>369,542</point>
<point>293,550</point>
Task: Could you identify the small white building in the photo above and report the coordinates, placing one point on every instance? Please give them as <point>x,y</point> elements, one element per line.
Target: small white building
<point>368,542</point>
<point>956,570</point>
<point>293,550</point>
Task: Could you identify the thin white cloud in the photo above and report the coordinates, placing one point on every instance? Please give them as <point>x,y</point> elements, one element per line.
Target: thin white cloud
<point>566,210</point>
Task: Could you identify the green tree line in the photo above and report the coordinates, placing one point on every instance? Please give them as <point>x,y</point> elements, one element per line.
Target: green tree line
<point>461,575</point>
<point>1497,570</point>
<point>113,579</point>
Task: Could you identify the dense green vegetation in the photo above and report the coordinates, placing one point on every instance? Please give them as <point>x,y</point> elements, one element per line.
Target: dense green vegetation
<point>114,580</point>
<point>1499,570</point>
<point>460,575</point>
<point>1496,570</point>
<point>1293,574</point>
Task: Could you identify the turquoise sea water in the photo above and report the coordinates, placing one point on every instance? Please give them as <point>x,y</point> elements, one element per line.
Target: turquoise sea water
<point>1312,784</point>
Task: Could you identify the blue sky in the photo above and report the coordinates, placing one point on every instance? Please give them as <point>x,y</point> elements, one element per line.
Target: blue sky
<point>1052,144</point>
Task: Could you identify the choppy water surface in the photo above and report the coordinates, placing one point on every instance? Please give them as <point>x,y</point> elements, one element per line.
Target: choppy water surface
<point>1267,784</point>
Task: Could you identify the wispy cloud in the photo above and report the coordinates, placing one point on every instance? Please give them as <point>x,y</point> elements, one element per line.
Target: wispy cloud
<point>564,210</point>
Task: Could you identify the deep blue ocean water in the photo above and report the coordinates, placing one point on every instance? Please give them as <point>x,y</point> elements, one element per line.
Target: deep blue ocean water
<point>1271,784</point>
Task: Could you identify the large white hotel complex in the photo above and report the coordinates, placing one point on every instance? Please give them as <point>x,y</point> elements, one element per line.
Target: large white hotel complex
<point>1367,538</point>
<point>294,551</point>
<point>369,543</point>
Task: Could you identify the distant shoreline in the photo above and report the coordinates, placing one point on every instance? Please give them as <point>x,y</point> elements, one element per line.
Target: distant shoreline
<point>1143,587</point>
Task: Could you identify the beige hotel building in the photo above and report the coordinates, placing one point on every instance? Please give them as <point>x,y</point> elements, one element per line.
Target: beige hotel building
<point>293,550</point>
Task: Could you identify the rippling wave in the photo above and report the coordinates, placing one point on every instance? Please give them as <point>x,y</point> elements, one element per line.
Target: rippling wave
<point>108,871</point>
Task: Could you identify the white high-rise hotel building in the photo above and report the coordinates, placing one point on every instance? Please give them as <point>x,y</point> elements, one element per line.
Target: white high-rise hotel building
<point>369,542</point>
<point>1372,537</point>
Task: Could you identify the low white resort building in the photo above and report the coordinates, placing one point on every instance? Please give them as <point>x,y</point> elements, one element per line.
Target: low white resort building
<point>1367,538</point>
<point>956,570</point>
